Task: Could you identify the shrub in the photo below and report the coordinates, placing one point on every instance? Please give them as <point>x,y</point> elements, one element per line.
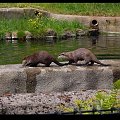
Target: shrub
<point>101,101</point>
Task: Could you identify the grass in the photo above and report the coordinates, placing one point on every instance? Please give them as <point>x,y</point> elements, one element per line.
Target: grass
<point>37,26</point>
<point>8,26</point>
<point>97,9</point>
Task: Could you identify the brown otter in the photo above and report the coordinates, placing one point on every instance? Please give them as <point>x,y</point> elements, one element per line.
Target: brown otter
<point>40,57</point>
<point>80,54</point>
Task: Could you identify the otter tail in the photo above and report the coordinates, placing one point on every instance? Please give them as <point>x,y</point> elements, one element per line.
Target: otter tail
<point>97,61</point>
<point>58,63</point>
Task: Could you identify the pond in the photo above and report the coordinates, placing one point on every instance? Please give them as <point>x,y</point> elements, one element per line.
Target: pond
<point>103,46</point>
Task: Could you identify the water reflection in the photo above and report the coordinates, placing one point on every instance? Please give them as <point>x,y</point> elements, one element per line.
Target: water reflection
<point>94,40</point>
<point>13,42</point>
<point>105,47</point>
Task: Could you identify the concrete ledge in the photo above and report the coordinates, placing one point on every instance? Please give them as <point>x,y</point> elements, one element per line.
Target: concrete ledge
<point>12,13</point>
<point>106,24</point>
<point>15,79</point>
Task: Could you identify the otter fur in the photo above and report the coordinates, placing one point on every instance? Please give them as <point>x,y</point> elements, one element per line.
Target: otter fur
<point>40,57</point>
<point>81,54</point>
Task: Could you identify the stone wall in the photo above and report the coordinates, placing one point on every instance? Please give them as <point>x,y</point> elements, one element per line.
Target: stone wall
<point>106,24</point>
<point>15,79</point>
<point>12,13</point>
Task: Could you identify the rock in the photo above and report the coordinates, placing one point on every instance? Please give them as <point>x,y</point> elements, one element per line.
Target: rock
<point>80,32</point>
<point>8,36</point>
<point>14,36</point>
<point>13,80</point>
<point>50,32</point>
<point>50,36</point>
<point>28,35</point>
<point>18,79</point>
<point>67,34</point>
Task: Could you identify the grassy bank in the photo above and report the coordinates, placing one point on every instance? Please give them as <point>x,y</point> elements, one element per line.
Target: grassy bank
<point>37,26</point>
<point>97,9</point>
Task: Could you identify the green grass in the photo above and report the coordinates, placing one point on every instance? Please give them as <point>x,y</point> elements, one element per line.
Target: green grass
<point>37,26</point>
<point>8,26</point>
<point>97,9</point>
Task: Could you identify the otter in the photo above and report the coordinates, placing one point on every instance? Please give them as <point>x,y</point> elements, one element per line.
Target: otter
<point>81,54</point>
<point>40,57</point>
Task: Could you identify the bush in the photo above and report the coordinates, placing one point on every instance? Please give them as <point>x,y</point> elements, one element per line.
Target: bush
<point>117,84</point>
<point>101,101</point>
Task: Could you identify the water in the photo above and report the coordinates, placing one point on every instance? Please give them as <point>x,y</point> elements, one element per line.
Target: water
<point>104,47</point>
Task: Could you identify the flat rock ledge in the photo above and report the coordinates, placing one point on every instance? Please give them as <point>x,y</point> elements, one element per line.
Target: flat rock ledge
<point>18,79</point>
<point>42,103</point>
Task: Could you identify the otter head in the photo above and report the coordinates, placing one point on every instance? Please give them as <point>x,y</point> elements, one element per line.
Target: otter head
<point>24,62</point>
<point>63,56</point>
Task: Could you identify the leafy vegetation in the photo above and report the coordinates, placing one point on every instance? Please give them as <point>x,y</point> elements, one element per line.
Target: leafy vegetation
<point>117,84</point>
<point>37,26</point>
<point>101,101</point>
